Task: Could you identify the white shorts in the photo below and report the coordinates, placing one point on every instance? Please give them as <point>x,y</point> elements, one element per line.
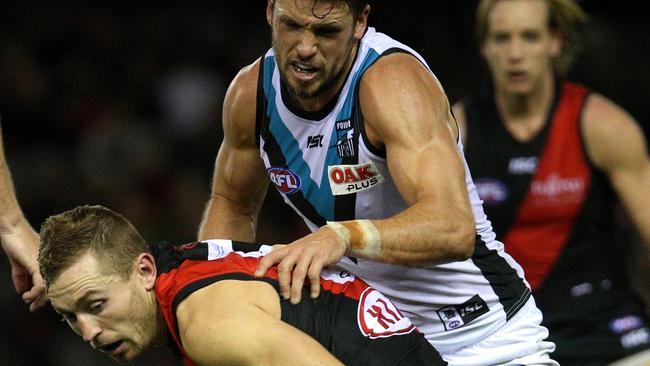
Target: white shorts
<point>521,341</point>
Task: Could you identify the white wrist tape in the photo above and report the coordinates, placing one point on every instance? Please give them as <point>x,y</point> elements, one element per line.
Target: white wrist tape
<point>361,238</point>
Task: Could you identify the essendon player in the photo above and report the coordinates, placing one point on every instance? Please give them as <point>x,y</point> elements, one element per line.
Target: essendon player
<point>122,296</point>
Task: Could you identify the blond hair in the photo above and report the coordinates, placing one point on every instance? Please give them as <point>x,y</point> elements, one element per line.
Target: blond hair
<point>106,234</point>
<point>564,16</point>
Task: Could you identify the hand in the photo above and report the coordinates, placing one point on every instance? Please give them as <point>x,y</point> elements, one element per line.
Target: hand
<point>305,257</point>
<point>21,247</point>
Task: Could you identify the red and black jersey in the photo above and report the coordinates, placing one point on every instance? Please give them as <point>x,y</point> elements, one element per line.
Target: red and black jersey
<point>356,323</point>
<point>554,212</point>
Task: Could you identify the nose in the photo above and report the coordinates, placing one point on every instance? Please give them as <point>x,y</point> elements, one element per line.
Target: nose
<point>307,44</point>
<point>87,328</point>
<point>515,49</point>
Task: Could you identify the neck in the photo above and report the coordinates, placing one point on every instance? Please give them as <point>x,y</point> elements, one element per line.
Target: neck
<point>524,115</point>
<point>160,338</point>
<point>518,107</point>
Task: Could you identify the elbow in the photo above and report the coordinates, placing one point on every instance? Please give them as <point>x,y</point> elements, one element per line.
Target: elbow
<point>463,242</point>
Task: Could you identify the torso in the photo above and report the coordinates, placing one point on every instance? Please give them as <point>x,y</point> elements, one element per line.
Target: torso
<point>353,321</point>
<point>551,208</point>
<point>324,167</point>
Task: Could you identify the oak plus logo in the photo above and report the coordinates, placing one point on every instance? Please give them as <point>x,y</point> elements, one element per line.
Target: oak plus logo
<point>346,179</point>
<point>379,318</point>
<point>285,180</point>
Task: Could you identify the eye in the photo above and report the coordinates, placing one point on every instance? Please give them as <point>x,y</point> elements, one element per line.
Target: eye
<point>327,32</point>
<point>97,306</point>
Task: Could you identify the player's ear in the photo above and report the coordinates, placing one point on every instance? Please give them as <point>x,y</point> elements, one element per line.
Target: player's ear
<point>269,11</point>
<point>145,266</point>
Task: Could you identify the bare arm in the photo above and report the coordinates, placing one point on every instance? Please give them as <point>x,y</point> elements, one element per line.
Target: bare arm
<point>624,158</point>
<point>238,323</point>
<point>406,112</point>
<point>240,180</point>
<point>19,241</point>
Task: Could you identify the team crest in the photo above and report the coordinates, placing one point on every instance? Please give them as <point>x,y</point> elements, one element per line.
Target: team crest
<point>379,318</point>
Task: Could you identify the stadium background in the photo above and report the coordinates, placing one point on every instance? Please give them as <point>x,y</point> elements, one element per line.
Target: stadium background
<point>119,104</point>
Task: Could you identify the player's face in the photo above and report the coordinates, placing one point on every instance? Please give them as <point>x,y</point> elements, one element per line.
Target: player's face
<point>116,316</point>
<point>519,46</point>
<point>314,54</point>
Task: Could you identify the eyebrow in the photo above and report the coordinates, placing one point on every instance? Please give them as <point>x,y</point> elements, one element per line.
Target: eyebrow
<point>78,302</point>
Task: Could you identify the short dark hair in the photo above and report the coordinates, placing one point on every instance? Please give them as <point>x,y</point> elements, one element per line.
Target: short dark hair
<point>69,235</point>
<point>356,7</point>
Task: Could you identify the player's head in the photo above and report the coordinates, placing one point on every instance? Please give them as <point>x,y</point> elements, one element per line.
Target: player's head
<point>100,277</point>
<point>315,42</point>
<point>539,35</point>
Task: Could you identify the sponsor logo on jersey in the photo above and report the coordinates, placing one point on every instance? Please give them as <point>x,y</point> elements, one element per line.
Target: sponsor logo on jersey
<point>379,318</point>
<point>315,141</point>
<point>285,180</point>
<point>347,179</point>
<point>522,165</point>
<point>492,191</point>
<point>455,316</point>
<point>556,189</point>
<point>625,324</point>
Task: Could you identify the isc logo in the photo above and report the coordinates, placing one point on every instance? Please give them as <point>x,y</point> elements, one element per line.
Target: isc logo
<point>285,180</point>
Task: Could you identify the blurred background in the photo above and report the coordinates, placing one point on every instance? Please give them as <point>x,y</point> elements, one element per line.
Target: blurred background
<point>120,104</point>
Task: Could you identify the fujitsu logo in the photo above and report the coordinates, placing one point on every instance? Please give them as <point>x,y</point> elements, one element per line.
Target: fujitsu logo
<point>379,318</point>
<point>554,185</point>
<point>346,179</point>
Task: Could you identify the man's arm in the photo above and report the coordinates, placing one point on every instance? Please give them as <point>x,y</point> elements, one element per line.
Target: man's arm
<point>19,241</point>
<point>240,180</point>
<point>616,145</point>
<point>238,323</point>
<point>407,113</point>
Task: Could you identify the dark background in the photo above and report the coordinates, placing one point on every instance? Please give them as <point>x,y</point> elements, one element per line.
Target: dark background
<point>120,105</point>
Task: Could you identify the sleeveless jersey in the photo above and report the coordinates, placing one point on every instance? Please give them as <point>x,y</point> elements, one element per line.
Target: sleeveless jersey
<point>554,211</point>
<point>356,323</point>
<point>323,167</point>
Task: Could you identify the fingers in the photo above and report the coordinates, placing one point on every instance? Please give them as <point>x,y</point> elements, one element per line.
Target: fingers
<point>36,298</point>
<point>314,278</point>
<point>298,279</point>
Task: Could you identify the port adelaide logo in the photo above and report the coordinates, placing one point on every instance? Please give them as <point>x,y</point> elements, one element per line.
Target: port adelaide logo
<point>345,139</point>
<point>285,180</point>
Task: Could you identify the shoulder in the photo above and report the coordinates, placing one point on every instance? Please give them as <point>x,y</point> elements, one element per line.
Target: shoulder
<point>238,116</point>
<point>243,88</point>
<point>210,314</point>
<point>610,133</point>
<point>398,90</point>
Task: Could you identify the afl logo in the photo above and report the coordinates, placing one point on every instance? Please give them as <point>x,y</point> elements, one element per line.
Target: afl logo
<point>285,180</point>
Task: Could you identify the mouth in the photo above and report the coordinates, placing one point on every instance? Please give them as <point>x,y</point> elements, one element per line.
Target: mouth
<point>111,348</point>
<point>517,76</point>
<point>303,72</point>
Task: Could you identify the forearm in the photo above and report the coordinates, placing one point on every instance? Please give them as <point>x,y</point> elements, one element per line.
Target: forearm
<point>416,236</point>
<point>223,220</point>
